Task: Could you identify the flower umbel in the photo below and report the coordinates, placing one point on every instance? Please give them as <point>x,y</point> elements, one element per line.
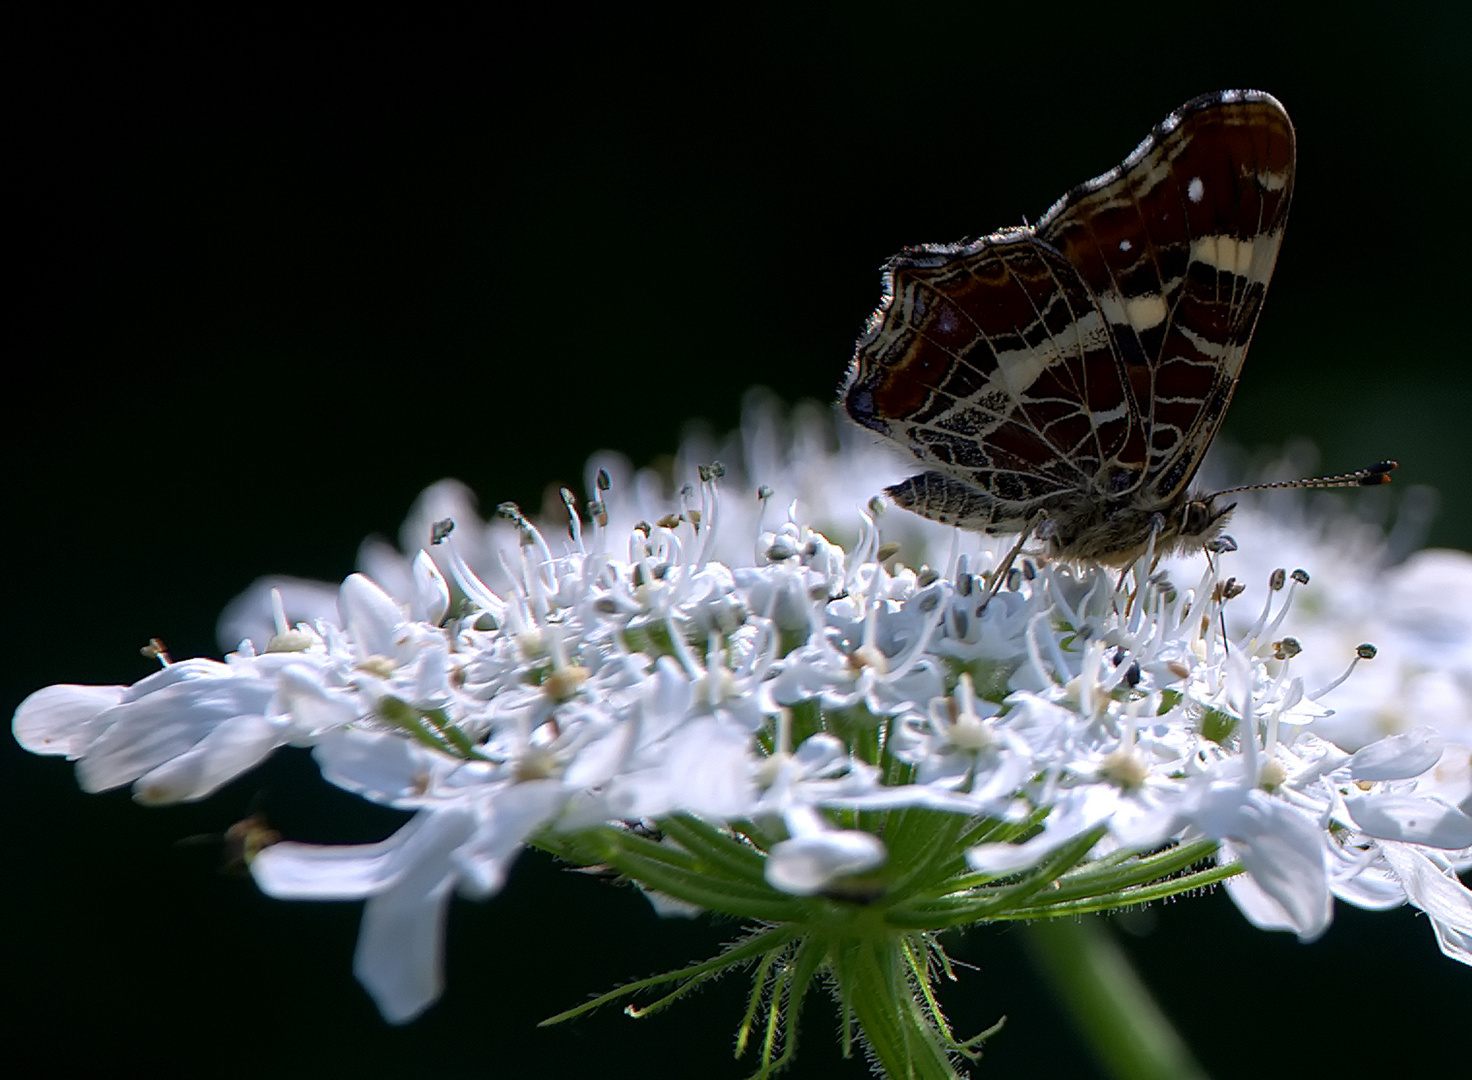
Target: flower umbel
<point>848,753</point>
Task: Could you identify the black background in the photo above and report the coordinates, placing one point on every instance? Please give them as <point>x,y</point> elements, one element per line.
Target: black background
<point>276,277</point>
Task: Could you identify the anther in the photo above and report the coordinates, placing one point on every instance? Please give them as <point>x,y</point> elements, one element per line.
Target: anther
<point>1286,649</point>
<point>1361,652</point>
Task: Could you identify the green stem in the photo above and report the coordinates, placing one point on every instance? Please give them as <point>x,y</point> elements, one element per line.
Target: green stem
<point>874,977</point>
<point>1111,1007</point>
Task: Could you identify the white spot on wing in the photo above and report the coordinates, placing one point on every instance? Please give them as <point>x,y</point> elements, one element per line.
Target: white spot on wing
<point>1140,312</point>
<point>1145,311</point>
<point>1195,189</point>
<point>1272,181</point>
<point>1125,245</point>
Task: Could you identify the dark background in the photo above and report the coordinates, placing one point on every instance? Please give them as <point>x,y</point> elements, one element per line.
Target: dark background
<point>277,277</point>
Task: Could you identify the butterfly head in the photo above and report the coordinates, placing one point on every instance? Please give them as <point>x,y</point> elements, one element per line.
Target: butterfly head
<point>1201,521</point>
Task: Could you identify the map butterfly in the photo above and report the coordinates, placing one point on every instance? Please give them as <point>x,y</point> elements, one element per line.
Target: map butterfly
<point>1064,380</point>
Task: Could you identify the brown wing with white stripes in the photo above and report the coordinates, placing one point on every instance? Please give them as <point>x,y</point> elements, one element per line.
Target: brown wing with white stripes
<point>1177,246</point>
<point>1090,358</point>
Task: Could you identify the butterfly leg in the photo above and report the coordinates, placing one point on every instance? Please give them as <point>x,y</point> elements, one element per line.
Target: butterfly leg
<point>1151,557</point>
<point>1000,574</point>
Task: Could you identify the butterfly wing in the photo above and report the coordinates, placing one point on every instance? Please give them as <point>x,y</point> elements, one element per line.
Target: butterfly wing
<point>1091,357</point>
<point>985,360</point>
<point>1177,246</point>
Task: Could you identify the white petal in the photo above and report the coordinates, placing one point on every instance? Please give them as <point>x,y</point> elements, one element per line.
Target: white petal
<point>667,703</point>
<point>1283,852</point>
<point>431,594</point>
<point>1411,819</point>
<point>1371,890</point>
<point>806,865</point>
<point>155,727</point>
<point>1074,815</point>
<point>1260,909</point>
<point>708,770</point>
<point>667,906</point>
<point>601,758</point>
<point>370,615</point>
<point>515,813</point>
<point>376,764</point>
<point>820,754</point>
<point>313,706</point>
<point>432,675</point>
<point>1438,893</point>
<point>1397,756</point>
<point>292,871</point>
<point>186,671</point>
<point>233,747</point>
<point>400,954</point>
<point>59,719</point>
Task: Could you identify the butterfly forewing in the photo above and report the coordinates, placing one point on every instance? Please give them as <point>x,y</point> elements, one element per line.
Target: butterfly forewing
<point>1080,369</point>
<point>1177,246</point>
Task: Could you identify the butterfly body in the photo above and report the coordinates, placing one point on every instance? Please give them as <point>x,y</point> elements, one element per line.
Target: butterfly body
<point>1067,378</point>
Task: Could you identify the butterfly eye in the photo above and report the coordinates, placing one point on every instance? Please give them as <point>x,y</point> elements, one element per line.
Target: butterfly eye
<point>1196,518</point>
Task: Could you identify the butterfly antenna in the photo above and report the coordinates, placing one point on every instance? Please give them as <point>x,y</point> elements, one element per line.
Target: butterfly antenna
<point>1372,476</point>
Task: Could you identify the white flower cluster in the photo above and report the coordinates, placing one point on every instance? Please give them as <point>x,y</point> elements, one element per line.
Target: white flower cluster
<point>653,668</point>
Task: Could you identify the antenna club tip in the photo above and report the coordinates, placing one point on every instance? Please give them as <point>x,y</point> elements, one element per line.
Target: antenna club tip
<point>1378,473</point>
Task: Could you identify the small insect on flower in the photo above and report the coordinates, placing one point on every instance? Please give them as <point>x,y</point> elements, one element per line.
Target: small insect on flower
<point>240,843</point>
<point>246,839</point>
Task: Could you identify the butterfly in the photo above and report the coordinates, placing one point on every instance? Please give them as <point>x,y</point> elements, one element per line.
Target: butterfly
<point>1064,380</point>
